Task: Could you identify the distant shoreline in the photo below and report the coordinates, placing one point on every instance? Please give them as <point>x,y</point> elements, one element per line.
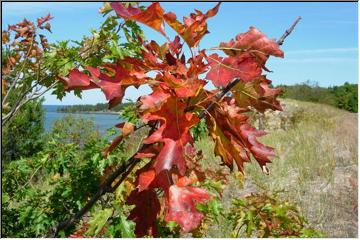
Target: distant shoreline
<point>91,112</point>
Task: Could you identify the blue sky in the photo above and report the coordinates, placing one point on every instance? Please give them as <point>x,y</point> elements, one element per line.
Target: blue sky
<point>322,48</point>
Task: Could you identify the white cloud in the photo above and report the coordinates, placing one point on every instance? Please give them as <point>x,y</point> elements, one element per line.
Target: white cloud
<point>324,50</point>
<point>319,60</point>
<point>340,22</point>
<point>34,8</point>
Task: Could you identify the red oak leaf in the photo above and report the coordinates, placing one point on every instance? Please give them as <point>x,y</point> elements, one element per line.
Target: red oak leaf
<point>147,207</point>
<point>153,101</point>
<point>255,43</point>
<point>194,27</point>
<point>182,206</point>
<point>152,16</point>
<point>42,20</point>
<point>112,79</point>
<point>173,133</point>
<point>172,154</point>
<point>234,138</point>
<point>113,91</point>
<point>261,152</point>
<point>111,86</point>
<point>76,79</point>
<point>224,70</point>
<point>252,41</point>
<point>257,94</point>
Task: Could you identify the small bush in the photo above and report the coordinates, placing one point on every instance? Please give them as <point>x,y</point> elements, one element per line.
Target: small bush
<point>262,215</point>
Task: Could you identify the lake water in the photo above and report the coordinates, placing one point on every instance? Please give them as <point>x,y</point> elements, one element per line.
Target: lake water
<point>102,121</point>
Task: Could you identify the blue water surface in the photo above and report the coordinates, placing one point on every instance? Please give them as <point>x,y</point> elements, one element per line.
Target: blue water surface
<point>102,121</point>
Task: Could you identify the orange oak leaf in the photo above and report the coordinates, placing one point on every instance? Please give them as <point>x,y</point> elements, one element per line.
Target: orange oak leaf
<point>152,16</point>
<point>145,179</point>
<point>194,26</point>
<point>182,85</point>
<point>126,129</point>
<point>80,233</point>
<point>227,146</point>
<point>3,87</point>
<point>235,140</point>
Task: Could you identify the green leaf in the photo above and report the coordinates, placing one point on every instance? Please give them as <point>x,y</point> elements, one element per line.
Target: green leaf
<point>202,208</point>
<point>215,207</point>
<point>127,227</point>
<point>172,225</point>
<point>98,221</point>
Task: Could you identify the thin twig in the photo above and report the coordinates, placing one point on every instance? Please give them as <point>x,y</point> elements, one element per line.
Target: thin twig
<point>21,103</point>
<point>219,96</point>
<point>288,31</point>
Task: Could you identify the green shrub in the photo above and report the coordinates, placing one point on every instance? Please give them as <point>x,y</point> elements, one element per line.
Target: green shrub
<point>262,215</point>
<point>22,137</point>
<point>50,186</point>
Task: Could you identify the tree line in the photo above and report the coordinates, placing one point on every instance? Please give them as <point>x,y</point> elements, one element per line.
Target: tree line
<point>343,97</point>
<point>100,107</point>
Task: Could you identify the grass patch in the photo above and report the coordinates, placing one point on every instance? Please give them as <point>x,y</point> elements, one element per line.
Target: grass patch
<point>316,167</point>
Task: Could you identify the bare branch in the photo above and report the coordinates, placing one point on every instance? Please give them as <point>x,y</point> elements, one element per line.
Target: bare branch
<point>21,101</point>
<point>288,31</point>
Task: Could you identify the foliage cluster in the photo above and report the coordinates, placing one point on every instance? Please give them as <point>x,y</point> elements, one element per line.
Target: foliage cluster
<point>177,103</point>
<point>48,187</point>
